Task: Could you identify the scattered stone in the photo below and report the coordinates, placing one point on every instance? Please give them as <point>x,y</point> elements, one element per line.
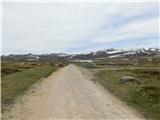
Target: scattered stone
<point>129,79</point>
<point>10,116</point>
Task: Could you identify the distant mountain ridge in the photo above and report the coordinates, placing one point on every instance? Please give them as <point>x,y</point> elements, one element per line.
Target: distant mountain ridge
<point>100,54</point>
<point>116,53</point>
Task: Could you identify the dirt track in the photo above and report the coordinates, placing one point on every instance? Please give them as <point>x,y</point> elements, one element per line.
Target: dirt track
<point>67,94</point>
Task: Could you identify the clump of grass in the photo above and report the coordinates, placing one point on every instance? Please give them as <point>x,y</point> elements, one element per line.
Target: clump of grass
<point>139,62</point>
<point>6,71</point>
<point>144,97</point>
<point>9,67</point>
<point>16,83</point>
<point>87,64</point>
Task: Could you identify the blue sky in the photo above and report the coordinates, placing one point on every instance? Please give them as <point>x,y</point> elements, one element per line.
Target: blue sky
<point>78,27</point>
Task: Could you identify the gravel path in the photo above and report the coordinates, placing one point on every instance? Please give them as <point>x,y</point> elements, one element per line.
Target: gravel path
<point>67,94</point>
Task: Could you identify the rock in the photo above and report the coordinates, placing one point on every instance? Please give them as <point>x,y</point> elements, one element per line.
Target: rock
<point>129,79</point>
<point>33,91</point>
<point>60,64</point>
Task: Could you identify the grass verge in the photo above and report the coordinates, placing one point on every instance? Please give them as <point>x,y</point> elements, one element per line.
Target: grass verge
<point>15,84</point>
<point>144,97</point>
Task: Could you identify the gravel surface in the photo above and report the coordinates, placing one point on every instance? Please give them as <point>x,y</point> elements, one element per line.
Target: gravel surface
<point>68,94</point>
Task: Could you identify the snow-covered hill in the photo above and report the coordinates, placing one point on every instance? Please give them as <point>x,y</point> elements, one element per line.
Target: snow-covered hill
<point>107,53</point>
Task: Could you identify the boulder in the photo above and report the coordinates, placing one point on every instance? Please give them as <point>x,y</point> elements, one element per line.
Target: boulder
<point>129,79</point>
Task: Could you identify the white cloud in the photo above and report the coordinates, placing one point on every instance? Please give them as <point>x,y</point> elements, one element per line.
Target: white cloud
<point>53,27</point>
<point>135,29</point>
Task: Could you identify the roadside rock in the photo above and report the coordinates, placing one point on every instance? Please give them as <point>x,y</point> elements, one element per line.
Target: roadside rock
<point>129,79</point>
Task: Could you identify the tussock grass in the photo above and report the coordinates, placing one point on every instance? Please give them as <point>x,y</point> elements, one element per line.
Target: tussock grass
<point>144,97</point>
<point>15,84</point>
<point>90,65</point>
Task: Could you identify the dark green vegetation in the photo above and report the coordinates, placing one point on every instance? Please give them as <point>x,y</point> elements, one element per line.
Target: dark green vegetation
<point>8,67</point>
<point>137,62</point>
<point>17,77</point>
<point>145,97</point>
<point>86,65</point>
